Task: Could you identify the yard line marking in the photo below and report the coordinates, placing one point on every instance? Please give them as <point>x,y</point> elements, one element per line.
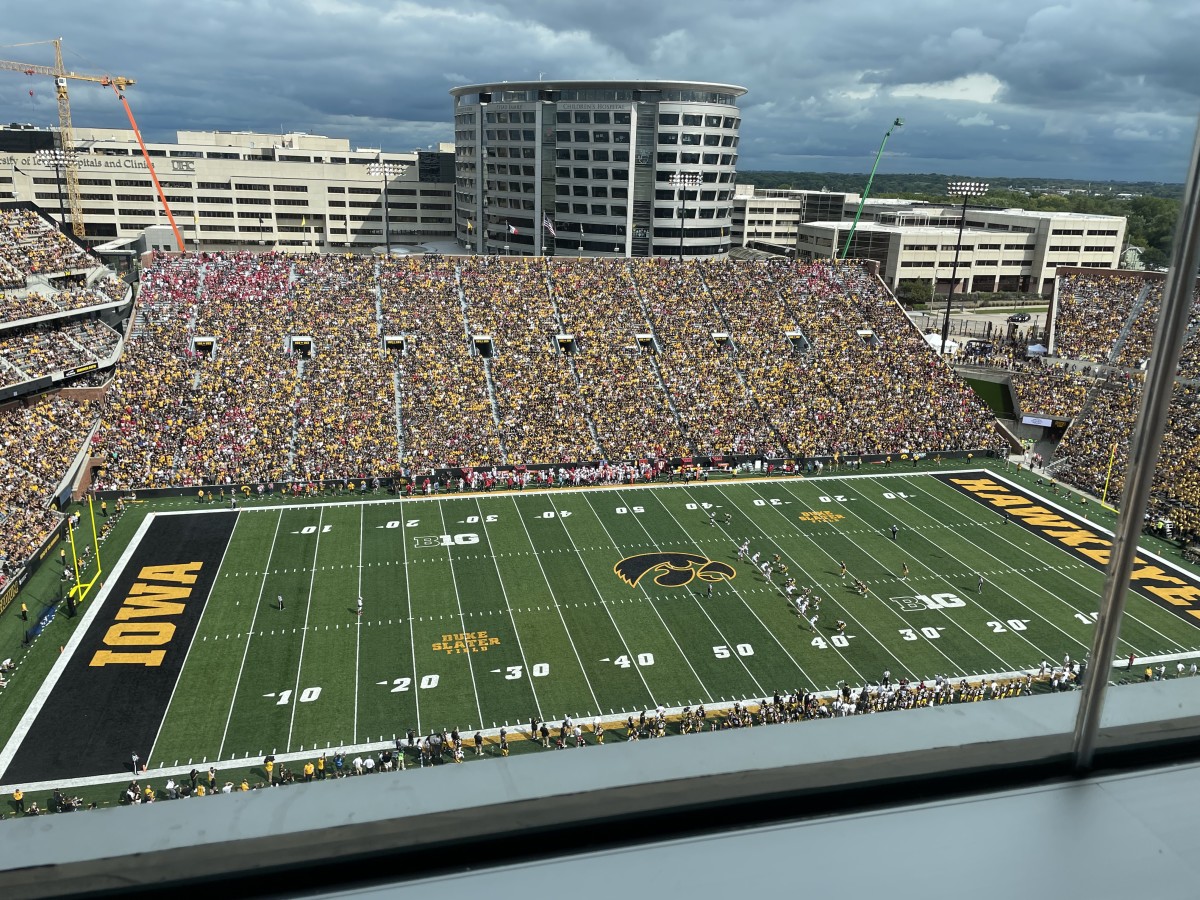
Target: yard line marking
<point>570,639</point>
<point>1141,551</point>
<point>250,634</point>
<point>304,634</point>
<point>646,594</point>
<point>358,630</point>
<point>504,591</point>
<point>603,604</point>
<point>717,629</point>
<point>945,615</point>
<point>766,628</point>
<point>461,617</point>
<point>845,609</point>
<point>412,639</point>
<point>188,654</point>
<point>1007,568</point>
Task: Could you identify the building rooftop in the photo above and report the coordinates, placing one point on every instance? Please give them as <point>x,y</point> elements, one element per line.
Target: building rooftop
<point>636,84</point>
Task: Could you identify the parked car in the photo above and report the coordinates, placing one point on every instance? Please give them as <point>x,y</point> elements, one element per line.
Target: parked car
<point>1019,317</point>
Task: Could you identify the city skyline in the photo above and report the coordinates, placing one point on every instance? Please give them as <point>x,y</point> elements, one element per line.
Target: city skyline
<point>1104,90</point>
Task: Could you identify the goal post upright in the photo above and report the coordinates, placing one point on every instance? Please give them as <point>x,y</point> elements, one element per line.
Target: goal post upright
<point>80,590</point>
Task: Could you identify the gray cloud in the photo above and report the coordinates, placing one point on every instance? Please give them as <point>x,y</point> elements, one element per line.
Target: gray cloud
<point>1082,88</point>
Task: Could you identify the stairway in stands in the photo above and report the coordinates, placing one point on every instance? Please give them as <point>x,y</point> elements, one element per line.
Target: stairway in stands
<point>562,329</point>
<point>487,367</point>
<point>658,375</point>
<point>1127,329</point>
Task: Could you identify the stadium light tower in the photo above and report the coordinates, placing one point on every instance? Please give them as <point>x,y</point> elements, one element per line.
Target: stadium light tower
<point>387,170</point>
<point>59,159</point>
<point>684,180</point>
<point>966,190</point>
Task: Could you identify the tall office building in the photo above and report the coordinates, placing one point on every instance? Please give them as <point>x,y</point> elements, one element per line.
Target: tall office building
<point>597,168</point>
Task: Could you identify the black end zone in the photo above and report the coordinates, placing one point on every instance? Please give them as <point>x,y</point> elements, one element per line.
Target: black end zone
<point>113,694</point>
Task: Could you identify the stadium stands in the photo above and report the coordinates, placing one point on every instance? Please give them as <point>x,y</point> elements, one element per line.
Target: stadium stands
<point>1051,390</point>
<point>39,443</point>
<point>31,352</point>
<point>484,380</point>
<point>1110,318</point>
<point>31,245</point>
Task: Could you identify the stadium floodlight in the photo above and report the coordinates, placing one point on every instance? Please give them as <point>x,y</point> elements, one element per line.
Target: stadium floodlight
<point>684,180</point>
<point>966,190</point>
<point>386,171</point>
<point>60,159</point>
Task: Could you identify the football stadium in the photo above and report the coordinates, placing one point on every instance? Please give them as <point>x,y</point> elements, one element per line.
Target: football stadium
<point>342,505</point>
<point>274,518</point>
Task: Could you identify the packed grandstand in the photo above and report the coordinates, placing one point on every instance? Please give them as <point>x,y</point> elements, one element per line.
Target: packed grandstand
<point>428,363</point>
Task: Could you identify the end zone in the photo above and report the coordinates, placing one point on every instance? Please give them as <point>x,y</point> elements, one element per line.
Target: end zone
<point>106,698</point>
<point>1167,585</point>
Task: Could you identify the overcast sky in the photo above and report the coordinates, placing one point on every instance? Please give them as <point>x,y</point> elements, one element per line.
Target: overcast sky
<point>1094,89</point>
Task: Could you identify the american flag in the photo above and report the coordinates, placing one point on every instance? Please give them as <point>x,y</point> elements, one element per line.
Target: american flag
<point>548,225</point>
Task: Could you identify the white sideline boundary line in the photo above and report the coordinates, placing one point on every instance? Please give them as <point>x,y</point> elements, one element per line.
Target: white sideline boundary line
<point>18,734</point>
<point>60,665</point>
<point>493,733</point>
<point>506,492</point>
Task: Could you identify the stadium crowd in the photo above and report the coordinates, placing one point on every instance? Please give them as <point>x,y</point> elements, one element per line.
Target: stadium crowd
<point>1111,317</point>
<point>869,383</point>
<point>32,245</point>
<point>34,351</point>
<point>39,441</point>
<point>1092,311</point>
<point>1055,391</point>
<point>442,396</point>
<point>541,414</point>
<point>618,378</point>
<point>252,412</point>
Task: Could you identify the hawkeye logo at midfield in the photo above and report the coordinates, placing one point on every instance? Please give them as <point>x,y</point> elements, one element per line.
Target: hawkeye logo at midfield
<point>674,569</point>
<point>1172,589</point>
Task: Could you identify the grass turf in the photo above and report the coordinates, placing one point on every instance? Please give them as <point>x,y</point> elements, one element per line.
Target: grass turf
<point>525,584</point>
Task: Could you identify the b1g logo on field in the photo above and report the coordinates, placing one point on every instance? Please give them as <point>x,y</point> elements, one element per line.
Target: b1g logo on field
<point>922,602</point>
<point>444,540</point>
<point>821,515</point>
<point>673,569</point>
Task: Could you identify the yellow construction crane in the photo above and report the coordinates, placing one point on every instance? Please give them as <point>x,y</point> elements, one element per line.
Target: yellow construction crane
<point>60,75</point>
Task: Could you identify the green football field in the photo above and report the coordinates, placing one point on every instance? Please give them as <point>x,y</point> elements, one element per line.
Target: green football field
<point>482,611</point>
<point>485,610</point>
